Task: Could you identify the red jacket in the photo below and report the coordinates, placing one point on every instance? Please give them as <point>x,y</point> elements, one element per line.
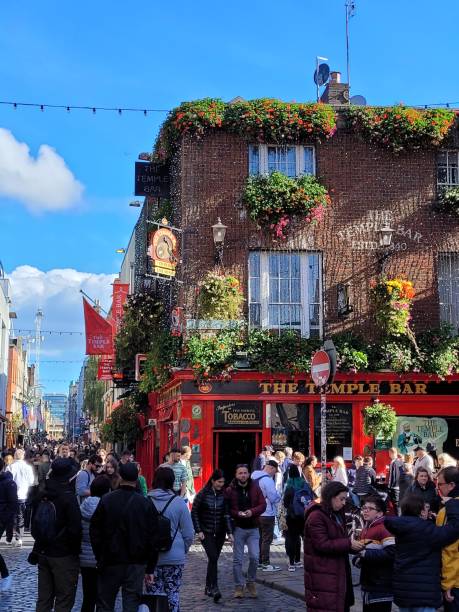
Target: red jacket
<point>326,562</point>
<point>256,503</point>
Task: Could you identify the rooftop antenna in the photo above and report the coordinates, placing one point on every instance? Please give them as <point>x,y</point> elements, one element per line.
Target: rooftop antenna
<point>321,74</point>
<point>350,12</point>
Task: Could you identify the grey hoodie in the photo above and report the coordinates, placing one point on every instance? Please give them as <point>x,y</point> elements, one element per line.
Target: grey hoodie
<point>87,509</point>
<point>178,514</point>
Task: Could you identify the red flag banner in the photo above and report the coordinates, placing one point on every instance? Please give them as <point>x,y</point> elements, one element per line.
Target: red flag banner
<point>105,367</point>
<point>99,338</point>
<point>120,293</point>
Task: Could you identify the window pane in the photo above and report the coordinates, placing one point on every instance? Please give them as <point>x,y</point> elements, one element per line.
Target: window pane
<point>291,162</point>
<point>273,316</point>
<point>313,278</point>
<point>254,159</point>
<point>442,157</point>
<point>254,290</point>
<point>295,290</point>
<point>254,264</point>
<point>274,265</point>
<point>442,175</point>
<point>296,315</point>
<point>295,266</point>
<point>285,316</point>
<point>314,315</point>
<point>284,262</point>
<point>285,291</point>
<point>452,158</point>
<point>308,166</point>
<point>454,176</point>
<point>282,159</point>
<point>254,314</point>
<point>273,290</point>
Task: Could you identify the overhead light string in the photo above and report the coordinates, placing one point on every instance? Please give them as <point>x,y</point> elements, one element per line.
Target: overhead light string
<point>117,109</point>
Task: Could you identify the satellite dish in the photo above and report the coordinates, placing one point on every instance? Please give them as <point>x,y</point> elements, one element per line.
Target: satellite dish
<point>321,74</point>
<point>358,101</point>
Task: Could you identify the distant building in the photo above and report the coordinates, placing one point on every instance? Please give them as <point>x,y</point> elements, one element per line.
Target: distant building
<point>57,403</point>
<point>4,341</point>
<point>18,385</point>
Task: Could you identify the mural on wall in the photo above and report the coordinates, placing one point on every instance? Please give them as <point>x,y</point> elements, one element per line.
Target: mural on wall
<point>430,433</point>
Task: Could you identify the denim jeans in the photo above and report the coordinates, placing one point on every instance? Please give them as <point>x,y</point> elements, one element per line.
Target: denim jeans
<point>454,605</point>
<point>414,609</point>
<point>266,537</point>
<point>251,538</point>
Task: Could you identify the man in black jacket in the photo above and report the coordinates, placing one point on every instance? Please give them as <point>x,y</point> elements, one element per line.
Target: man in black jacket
<point>122,532</point>
<point>58,559</point>
<point>8,510</point>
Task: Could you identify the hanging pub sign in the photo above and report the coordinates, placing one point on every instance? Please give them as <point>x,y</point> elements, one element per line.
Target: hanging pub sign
<point>162,248</point>
<point>151,180</point>
<point>105,367</point>
<point>177,321</point>
<point>239,414</point>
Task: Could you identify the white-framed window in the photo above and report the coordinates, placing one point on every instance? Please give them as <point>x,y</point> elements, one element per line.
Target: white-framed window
<point>447,168</point>
<point>448,287</point>
<point>285,291</point>
<point>292,160</point>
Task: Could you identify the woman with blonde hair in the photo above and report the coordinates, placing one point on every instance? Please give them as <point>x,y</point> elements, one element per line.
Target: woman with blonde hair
<point>445,460</point>
<point>311,476</point>
<point>339,472</point>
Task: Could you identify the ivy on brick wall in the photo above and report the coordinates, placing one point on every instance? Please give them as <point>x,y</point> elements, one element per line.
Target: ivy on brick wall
<point>397,128</point>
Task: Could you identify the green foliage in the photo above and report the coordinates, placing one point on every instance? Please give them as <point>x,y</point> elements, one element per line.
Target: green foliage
<point>448,198</point>
<point>285,352</point>
<point>395,354</point>
<point>393,299</point>
<point>399,128</point>
<point>93,403</point>
<point>272,200</point>
<point>122,425</point>
<point>143,319</point>
<point>164,356</point>
<point>379,420</point>
<point>220,297</point>
<point>351,353</point>
<point>212,356</point>
<point>439,351</point>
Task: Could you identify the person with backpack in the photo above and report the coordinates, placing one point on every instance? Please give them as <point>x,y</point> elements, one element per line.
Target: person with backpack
<point>297,496</point>
<point>88,565</point>
<point>210,519</point>
<point>8,508</point>
<point>122,531</point>
<point>265,480</point>
<point>85,476</point>
<point>56,529</point>
<point>175,530</point>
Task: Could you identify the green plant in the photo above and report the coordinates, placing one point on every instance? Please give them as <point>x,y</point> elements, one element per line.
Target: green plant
<point>379,420</point>
<point>396,355</point>
<point>122,425</point>
<point>272,200</point>
<point>220,297</point>
<point>448,198</point>
<point>161,359</point>
<point>400,128</point>
<point>285,352</point>
<point>393,298</point>
<point>439,351</point>
<point>351,353</point>
<point>212,356</point>
<point>94,389</point>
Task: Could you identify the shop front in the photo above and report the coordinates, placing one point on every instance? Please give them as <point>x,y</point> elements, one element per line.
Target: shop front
<point>227,423</point>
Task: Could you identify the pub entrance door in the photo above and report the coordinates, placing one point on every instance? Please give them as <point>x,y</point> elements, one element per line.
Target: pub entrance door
<point>234,447</point>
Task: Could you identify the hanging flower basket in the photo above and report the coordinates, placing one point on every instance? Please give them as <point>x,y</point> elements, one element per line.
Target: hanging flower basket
<point>220,297</point>
<point>393,300</point>
<point>379,420</point>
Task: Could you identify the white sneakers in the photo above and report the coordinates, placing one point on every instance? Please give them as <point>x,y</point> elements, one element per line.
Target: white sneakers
<point>271,568</point>
<point>16,543</point>
<point>5,583</point>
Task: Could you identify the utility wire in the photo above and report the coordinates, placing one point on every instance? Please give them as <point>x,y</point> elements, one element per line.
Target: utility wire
<point>55,332</point>
<point>118,109</point>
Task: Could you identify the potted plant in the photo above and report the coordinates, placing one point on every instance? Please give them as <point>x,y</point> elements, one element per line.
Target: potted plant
<point>379,421</point>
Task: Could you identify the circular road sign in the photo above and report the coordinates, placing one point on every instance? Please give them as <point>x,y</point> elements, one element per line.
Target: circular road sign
<point>320,368</point>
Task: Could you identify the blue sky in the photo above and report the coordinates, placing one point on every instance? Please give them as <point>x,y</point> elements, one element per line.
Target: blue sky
<point>156,54</point>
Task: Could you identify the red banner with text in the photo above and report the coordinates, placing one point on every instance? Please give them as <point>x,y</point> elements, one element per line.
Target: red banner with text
<point>99,336</point>
<point>105,368</point>
<point>120,293</point>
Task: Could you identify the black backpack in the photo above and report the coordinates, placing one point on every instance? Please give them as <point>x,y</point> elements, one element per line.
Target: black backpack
<point>44,523</point>
<point>164,540</point>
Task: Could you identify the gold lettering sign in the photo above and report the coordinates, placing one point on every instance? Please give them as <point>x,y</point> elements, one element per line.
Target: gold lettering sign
<point>343,388</point>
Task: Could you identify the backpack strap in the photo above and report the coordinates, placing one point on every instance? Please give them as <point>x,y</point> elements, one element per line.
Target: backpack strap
<point>172,497</point>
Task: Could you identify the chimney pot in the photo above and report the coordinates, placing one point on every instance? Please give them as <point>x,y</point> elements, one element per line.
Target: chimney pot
<point>335,77</point>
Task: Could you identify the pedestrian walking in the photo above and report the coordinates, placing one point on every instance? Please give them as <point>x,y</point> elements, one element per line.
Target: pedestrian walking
<point>365,480</point>
<point>260,461</point>
<point>56,528</point>
<point>327,573</point>
<point>339,472</point>
<point>181,476</point>
<point>445,460</point>
<point>376,560</point>
<point>210,517</point>
<point>111,472</point>
<point>406,479</point>
<point>43,470</point>
<point>246,504</point>
<point>395,470</point>
<point>167,577</point>
<point>185,457</point>
<point>418,544</point>
<point>295,489</point>
<point>423,460</point>
<point>88,565</point>
<point>448,485</point>
<point>8,509</point>
<point>424,487</point>
<point>265,479</point>
<point>86,476</point>
<point>24,477</point>
<point>311,476</point>
<point>122,534</point>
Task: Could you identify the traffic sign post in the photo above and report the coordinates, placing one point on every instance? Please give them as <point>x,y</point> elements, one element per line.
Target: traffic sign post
<point>322,371</point>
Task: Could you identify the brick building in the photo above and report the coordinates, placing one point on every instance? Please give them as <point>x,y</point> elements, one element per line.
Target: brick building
<point>296,284</point>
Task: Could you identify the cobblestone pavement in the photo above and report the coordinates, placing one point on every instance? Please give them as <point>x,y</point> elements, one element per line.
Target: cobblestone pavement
<point>286,596</point>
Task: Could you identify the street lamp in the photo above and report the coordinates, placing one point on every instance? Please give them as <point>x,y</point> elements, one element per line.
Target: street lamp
<point>136,203</point>
<point>385,241</point>
<point>121,251</point>
<point>219,232</point>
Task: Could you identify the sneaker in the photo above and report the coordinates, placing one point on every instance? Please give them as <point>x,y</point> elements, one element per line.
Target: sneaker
<point>271,568</point>
<point>217,596</point>
<point>260,566</point>
<point>5,583</point>
<point>208,591</point>
<point>251,589</point>
<point>278,541</point>
<point>10,543</point>
<point>238,592</point>
<point>291,568</point>
<point>298,564</point>
<point>16,543</point>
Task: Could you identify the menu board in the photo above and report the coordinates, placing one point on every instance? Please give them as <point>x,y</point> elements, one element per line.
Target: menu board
<point>339,429</point>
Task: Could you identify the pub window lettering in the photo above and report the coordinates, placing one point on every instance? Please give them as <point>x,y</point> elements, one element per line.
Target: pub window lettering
<point>285,292</point>
<point>448,288</point>
<point>289,160</point>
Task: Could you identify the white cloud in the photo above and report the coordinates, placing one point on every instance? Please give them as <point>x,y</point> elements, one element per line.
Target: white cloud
<point>57,293</point>
<point>44,183</point>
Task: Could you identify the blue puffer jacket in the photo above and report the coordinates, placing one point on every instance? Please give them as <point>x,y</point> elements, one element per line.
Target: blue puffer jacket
<point>418,544</point>
<point>87,508</point>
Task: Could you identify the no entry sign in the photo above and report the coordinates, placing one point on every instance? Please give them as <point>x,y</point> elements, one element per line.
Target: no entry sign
<point>320,368</point>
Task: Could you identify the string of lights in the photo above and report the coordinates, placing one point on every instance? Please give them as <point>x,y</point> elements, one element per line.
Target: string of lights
<point>92,108</point>
<point>61,360</point>
<point>50,332</point>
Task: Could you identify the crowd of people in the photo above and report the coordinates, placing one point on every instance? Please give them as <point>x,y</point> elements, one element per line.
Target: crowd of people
<point>91,512</point>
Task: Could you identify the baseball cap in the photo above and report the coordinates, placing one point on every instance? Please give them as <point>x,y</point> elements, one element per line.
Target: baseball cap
<point>129,472</point>
<point>273,464</point>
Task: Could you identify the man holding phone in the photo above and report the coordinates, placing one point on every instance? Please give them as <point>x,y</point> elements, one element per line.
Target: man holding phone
<point>246,503</point>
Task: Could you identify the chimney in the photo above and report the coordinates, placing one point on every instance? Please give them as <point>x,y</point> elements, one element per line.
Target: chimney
<point>335,93</point>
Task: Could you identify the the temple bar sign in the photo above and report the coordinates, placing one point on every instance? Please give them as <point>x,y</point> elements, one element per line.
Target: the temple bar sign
<point>151,180</point>
<point>345,388</point>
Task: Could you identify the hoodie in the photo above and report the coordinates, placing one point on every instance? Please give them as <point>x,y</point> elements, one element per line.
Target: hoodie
<point>23,476</point>
<point>268,488</point>
<point>8,498</point>
<point>87,509</point>
<point>181,526</point>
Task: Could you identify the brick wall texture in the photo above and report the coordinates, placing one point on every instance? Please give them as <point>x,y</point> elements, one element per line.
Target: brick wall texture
<point>209,177</point>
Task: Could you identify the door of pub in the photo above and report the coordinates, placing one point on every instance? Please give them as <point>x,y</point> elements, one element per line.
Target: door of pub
<point>234,447</point>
